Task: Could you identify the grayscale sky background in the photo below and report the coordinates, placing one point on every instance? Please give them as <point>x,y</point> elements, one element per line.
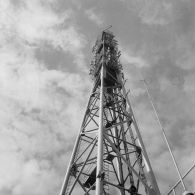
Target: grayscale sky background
<point>45,52</point>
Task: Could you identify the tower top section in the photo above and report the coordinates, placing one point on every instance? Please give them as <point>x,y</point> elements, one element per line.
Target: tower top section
<point>105,53</point>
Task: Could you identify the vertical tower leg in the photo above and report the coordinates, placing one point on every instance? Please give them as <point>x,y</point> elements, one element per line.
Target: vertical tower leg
<point>99,180</point>
<point>66,179</point>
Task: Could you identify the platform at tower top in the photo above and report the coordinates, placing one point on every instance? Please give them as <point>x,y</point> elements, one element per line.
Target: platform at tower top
<point>106,53</point>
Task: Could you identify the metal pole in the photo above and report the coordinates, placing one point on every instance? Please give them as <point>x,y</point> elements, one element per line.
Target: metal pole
<point>178,182</point>
<point>67,176</point>
<point>164,134</point>
<point>154,182</point>
<point>174,192</point>
<point>99,180</point>
<point>76,179</point>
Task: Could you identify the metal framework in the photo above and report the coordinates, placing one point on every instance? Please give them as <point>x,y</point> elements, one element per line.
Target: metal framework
<point>109,156</point>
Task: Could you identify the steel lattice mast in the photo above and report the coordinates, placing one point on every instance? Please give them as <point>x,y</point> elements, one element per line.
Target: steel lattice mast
<point>109,155</point>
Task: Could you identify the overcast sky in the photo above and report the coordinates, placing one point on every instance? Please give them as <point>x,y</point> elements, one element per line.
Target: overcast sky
<point>45,52</point>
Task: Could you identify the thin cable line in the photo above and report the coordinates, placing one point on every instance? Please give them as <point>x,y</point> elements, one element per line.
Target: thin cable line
<point>163,131</point>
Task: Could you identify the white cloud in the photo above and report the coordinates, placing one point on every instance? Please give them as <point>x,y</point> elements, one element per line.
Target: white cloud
<point>152,12</point>
<point>32,178</point>
<point>37,104</point>
<point>35,23</point>
<point>38,107</point>
<point>32,117</point>
<point>128,58</point>
<point>156,13</point>
<point>94,17</point>
<point>189,83</point>
<point>41,109</point>
<point>185,50</point>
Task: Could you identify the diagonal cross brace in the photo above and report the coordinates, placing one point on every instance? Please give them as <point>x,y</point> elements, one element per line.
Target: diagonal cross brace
<point>121,156</point>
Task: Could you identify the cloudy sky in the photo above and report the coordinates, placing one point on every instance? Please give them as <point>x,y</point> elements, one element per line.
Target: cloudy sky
<point>45,52</point>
